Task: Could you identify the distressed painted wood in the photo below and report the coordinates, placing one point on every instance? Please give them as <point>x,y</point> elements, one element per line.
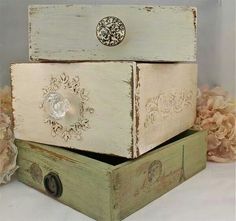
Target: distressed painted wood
<point>119,108</point>
<point>110,188</point>
<point>152,33</point>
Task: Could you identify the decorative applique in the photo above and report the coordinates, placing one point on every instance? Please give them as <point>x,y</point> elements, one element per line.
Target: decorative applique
<point>72,85</point>
<point>166,104</point>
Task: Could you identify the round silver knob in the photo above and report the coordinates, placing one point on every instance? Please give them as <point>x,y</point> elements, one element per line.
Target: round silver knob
<point>110,31</point>
<point>55,105</point>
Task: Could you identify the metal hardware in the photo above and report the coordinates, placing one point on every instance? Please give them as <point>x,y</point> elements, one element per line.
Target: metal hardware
<point>53,185</point>
<point>110,31</point>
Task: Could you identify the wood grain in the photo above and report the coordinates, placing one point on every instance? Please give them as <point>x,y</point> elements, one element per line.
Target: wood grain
<point>153,33</point>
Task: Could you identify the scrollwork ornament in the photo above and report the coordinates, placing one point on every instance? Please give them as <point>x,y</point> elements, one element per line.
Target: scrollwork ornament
<point>110,31</point>
<point>166,104</point>
<point>71,85</point>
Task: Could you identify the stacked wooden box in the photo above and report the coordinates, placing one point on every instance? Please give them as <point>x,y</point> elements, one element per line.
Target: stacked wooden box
<point>118,86</point>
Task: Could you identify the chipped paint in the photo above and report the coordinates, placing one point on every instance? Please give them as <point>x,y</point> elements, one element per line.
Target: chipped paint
<point>194,18</point>
<point>131,83</point>
<point>194,11</point>
<point>148,8</point>
<point>137,99</point>
<point>53,154</point>
<point>33,10</point>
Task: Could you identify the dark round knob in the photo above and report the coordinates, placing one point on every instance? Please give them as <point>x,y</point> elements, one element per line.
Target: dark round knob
<point>53,185</point>
<point>110,31</point>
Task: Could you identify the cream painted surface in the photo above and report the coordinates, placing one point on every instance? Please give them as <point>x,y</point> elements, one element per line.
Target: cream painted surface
<point>132,104</point>
<point>68,32</point>
<point>168,94</point>
<point>109,96</point>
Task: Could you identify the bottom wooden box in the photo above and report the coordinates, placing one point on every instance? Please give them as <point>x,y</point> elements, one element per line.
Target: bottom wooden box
<point>107,187</point>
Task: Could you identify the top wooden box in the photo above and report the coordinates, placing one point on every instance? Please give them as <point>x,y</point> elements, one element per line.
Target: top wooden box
<point>106,32</point>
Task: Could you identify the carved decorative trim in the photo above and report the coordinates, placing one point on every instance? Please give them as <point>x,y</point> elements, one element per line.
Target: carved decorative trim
<point>82,124</point>
<point>166,104</point>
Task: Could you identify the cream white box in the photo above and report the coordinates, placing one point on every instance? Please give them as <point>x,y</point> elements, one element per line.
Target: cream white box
<point>119,108</point>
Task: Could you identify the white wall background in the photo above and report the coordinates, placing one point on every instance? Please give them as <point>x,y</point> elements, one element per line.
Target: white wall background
<point>216,36</point>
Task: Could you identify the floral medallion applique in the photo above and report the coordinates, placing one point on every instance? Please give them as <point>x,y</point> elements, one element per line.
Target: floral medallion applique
<point>56,107</point>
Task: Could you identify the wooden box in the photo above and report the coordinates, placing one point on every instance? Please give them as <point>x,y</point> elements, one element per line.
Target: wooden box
<point>110,188</point>
<point>112,32</point>
<point>120,108</point>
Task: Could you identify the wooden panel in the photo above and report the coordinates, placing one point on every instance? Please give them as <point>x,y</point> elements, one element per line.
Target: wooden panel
<point>101,109</point>
<point>141,181</point>
<point>86,187</point>
<point>165,100</point>
<point>153,33</point>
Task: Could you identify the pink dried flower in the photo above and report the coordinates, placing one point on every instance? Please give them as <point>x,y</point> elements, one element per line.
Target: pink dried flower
<point>216,113</point>
<point>8,150</point>
<point>5,100</point>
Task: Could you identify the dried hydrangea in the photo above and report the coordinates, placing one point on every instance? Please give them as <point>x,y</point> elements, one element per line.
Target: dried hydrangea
<point>5,101</point>
<point>216,113</point>
<point>8,151</point>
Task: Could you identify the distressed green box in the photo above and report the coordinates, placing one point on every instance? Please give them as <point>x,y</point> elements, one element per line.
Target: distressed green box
<point>106,187</point>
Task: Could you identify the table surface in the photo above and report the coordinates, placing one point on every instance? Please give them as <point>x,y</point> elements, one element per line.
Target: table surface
<point>208,196</point>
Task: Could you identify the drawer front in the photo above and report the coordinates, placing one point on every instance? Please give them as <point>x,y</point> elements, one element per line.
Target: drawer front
<point>106,32</point>
<point>80,105</point>
<point>119,108</point>
<point>45,168</point>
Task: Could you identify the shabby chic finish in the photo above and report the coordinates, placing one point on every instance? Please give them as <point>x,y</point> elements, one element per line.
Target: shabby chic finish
<point>120,108</point>
<point>110,189</point>
<point>112,32</point>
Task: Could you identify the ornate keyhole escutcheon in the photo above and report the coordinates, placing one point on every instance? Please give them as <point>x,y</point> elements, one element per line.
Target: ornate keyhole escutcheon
<point>154,171</point>
<point>110,31</point>
<point>53,185</point>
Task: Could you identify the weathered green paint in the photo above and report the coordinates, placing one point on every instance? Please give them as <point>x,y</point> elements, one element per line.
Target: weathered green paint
<point>112,189</point>
<point>153,33</point>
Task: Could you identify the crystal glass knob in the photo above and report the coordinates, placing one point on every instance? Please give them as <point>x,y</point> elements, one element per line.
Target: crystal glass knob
<point>55,105</point>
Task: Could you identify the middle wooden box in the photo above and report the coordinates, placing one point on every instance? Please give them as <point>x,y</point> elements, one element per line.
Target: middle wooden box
<point>119,108</point>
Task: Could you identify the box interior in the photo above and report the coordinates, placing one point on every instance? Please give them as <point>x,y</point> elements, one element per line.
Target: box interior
<point>116,160</point>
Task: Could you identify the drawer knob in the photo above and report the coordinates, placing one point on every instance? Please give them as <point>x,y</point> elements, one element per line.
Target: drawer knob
<point>53,185</point>
<point>110,31</point>
<point>55,105</point>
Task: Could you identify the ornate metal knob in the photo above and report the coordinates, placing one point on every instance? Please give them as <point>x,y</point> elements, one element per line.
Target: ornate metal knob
<point>110,31</point>
<point>53,185</point>
<point>55,105</point>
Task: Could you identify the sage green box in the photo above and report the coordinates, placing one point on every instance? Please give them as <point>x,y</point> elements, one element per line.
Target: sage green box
<point>109,188</point>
